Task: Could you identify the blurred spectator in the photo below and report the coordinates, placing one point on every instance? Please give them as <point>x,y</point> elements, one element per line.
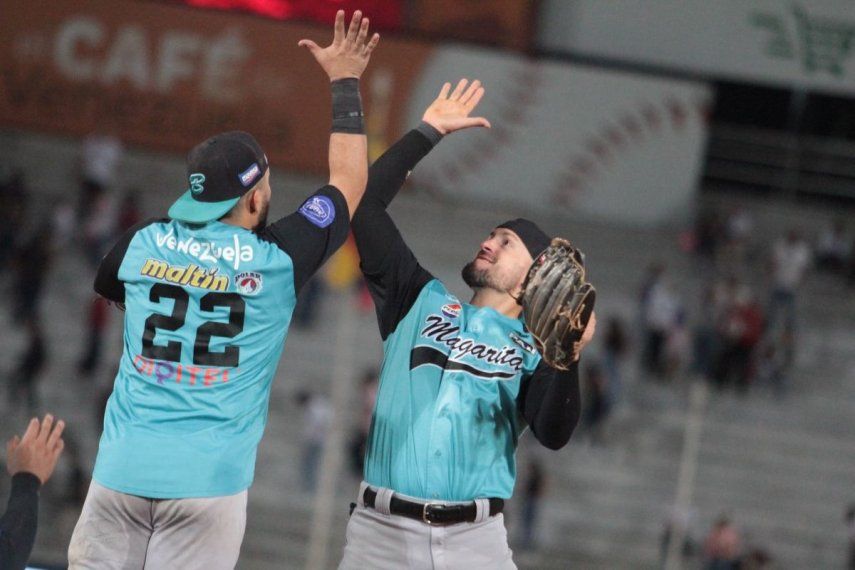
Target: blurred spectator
<point>832,247</point>
<point>99,226</point>
<point>722,547</point>
<point>129,211</point>
<point>77,480</point>
<point>774,361</point>
<point>677,524</point>
<point>13,208</point>
<point>850,266</point>
<point>715,303</point>
<point>708,233</point>
<point>308,303</point>
<point>23,383</point>
<point>99,313</point>
<point>597,406</point>
<point>677,347</point>
<point>100,156</point>
<point>756,559</point>
<point>850,531</point>
<point>368,397</point>
<point>790,259</point>
<point>616,346</point>
<point>741,331</point>
<point>533,488</point>
<point>30,461</point>
<point>739,230</point>
<point>31,263</point>
<point>660,311</point>
<point>317,414</point>
<point>64,224</point>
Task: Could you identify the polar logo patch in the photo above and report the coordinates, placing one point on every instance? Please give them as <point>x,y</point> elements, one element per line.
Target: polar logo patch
<point>248,176</point>
<point>319,210</point>
<point>248,283</point>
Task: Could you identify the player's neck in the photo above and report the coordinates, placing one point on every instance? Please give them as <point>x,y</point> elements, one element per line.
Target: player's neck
<point>499,301</point>
<point>239,221</point>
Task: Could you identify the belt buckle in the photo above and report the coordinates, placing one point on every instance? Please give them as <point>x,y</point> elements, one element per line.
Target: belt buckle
<point>427,510</point>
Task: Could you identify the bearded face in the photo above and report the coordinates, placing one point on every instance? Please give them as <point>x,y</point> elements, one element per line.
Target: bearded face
<point>501,264</point>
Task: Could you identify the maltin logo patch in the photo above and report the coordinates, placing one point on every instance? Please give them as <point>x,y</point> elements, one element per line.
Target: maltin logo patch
<point>319,210</point>
<point>451,310</point>
<point>248,283</point>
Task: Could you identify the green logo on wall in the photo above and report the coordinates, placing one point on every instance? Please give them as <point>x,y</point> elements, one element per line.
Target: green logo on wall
<point>822,44</point>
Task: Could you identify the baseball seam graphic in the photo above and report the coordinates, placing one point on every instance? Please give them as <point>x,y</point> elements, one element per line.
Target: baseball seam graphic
<point>511,113</point>
<point>631,128</point>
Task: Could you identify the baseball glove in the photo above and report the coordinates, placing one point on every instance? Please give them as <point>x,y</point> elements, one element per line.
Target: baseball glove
<point>557,302</point>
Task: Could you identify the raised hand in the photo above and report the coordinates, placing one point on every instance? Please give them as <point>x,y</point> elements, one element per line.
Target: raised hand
<point>349,53</point>
<point>38,451</point>
<point>450,112</point>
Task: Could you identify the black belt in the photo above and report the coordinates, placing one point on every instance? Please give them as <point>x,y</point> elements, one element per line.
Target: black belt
<point>433,513</point>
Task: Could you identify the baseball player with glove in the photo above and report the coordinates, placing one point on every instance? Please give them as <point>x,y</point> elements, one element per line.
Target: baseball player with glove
<point>460,381</point>
<point>209,295</point>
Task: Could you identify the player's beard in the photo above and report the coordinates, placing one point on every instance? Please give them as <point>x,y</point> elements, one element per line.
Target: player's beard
<point>262,218</point>
<point>481,278</point>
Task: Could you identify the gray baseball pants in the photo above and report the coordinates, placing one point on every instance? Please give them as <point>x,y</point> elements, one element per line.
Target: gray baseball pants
<point>389,542</point>
<point>117,531</point>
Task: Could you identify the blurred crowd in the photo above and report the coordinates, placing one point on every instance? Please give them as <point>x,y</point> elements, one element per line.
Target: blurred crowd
<point>739,334</point>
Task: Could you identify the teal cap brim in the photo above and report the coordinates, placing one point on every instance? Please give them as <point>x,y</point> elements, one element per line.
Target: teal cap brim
<point>188,209</point>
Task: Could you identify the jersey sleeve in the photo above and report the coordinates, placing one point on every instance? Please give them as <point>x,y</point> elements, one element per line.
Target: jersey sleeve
<point>18,524</point>
<point>313,233</point>
<point>550,402</point>
<point>107,282</point>
<point>394,276</point>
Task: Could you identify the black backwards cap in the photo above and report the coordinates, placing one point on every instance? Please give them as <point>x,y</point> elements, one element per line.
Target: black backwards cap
<point>219,171</point>
<point>534,238</point>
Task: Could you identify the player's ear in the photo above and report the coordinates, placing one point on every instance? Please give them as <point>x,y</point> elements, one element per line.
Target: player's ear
<point>253,201</point>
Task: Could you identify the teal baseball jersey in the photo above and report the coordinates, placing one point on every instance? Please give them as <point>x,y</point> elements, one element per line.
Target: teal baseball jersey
<point>446,421</point>
<point>458,383</point>
<point>207,314</point>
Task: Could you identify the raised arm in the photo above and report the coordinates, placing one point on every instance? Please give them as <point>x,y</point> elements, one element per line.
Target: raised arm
<point>394,276</point>
<point>344,61</point>
<point>319,227</point>
<point>31,461</point>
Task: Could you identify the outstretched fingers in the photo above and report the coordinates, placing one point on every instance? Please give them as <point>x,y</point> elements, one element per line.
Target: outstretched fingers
<point>338,33</point>
<point>47,424</point>
<point>443,93</point>
<point>12,445</point>
<point>363,33</point>
<point>372,43</point>
<point>470,92</point>
<point>54,442</point>
<point>458,91</point>
<point>353,29</point>
<point>32,430</point>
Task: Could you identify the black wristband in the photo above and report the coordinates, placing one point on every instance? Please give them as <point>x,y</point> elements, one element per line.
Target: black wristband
<point>25,482</point>
<point>347,114</point>
<point>429,131</point>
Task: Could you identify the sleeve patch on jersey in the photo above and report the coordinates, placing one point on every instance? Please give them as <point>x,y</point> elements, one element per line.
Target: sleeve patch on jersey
<point>319,210</point>
<point>248,283</point>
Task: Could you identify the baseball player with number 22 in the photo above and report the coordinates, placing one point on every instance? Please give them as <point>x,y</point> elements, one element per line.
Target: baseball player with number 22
<point>209,294</point>
<point>459,381</point>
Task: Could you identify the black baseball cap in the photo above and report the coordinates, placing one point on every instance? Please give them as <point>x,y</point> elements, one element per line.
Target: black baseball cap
<point>534,238</point>
<point>219,171</point>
